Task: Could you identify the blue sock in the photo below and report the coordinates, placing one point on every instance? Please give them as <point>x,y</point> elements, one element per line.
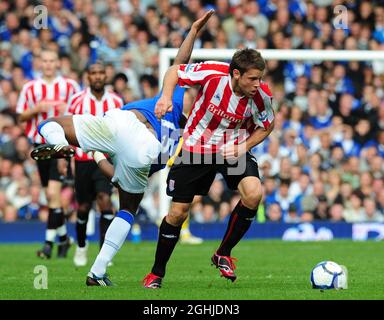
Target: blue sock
<point>114,239</point>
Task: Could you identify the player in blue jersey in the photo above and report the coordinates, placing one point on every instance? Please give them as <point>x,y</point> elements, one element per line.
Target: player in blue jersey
<point>168,133</point>
<point>132,138</point>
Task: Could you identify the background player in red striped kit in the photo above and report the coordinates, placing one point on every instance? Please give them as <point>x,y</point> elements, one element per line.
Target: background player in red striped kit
<point>90,183</point>
<point>231,114</point>
<point>39,100</point>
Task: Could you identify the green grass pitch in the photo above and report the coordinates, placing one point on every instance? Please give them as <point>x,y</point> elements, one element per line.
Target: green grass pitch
<point>266,269</point>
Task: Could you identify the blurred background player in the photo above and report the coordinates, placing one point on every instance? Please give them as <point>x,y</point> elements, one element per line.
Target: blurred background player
<point>90,183</point>
<point>39,100</point>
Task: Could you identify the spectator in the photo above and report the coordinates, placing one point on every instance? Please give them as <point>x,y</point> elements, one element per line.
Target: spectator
<point>371,212</point>
<point>336,213</point>
<point>292,216</point>
<point>354,212</point>
<point>274,213</point>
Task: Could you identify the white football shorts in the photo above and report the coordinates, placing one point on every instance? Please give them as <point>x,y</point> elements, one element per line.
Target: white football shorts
<point>128,141</point>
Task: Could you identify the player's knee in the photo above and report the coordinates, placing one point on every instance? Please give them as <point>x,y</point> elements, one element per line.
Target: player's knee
<point>251,200</point>
<point>53,195</point>
<point>103,201</point>
<point>178,214</point>
<point>83,209</point>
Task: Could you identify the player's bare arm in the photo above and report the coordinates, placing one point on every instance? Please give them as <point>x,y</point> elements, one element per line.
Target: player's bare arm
<point>164,104</point>
<point>42,106</point>
<point>105,166</point>
<point>185,50</point>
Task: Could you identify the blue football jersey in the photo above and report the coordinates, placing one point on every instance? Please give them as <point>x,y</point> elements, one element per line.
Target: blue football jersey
<point>168,128</point>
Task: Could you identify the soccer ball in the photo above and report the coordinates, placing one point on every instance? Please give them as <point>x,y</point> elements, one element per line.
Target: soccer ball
<point>329,275</point>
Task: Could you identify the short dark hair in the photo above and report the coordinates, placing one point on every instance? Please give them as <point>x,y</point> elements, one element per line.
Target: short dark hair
<point>246,59</point>
<point>97,62</point>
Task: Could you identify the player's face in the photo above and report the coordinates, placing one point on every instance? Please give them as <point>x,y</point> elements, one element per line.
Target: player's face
<point>97,77</point>
<point>249,81</point>
<point>49,63</point>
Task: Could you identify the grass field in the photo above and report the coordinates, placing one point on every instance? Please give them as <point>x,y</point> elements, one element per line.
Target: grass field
<point>266,270</point>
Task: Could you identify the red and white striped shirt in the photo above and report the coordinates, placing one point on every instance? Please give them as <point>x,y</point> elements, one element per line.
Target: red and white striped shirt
<point>34,91</point>
<point>85,102</point>
<point>218,115</point>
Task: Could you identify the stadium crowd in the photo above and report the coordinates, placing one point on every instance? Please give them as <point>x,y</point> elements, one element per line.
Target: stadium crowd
<point>325,157</point>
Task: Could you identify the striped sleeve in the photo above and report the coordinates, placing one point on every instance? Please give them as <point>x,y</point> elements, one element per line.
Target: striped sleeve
<point>118,102</point>
<point>73,103</point>
<point>264,103</point>
<point>22,101</point>
<point>199,73</point>
<point>75,88</point>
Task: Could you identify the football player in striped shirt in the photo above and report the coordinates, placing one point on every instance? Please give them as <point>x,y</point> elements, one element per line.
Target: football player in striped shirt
<point>39,100</point>
<point>90,183</point>
<point>231,114</point>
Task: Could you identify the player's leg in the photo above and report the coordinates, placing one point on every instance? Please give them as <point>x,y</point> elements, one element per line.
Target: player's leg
<point>183,183</point>
<point>55,205</point>
<point>51,181</point>
<point>59,133</point>
<point>103,190</point>
<point>106,213</point>
<point>169,233</point>
<point>250,189</point>
<point>59,130</point>
<point>53,219</point>
<point>80,258</point>
<point>84,197</point>
<point>114,237</point>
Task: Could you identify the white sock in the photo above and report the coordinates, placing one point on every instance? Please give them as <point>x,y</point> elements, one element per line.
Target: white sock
<point>114,238</point>
<point>53,133</point>
<point>50,235</point>
<point>62,230</point>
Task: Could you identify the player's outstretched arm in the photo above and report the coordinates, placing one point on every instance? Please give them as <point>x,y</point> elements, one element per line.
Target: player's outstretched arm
<point>185,50</point>
<point>164,104</point>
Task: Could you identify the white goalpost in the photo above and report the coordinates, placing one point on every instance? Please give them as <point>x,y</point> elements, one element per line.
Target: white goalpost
<point>167,55</point>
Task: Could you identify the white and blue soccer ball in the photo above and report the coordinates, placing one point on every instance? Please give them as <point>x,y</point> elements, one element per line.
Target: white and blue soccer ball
<point>329,275</point>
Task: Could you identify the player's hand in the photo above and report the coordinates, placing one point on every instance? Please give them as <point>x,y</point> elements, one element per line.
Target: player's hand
<point>234,151</point>
<point>42,106</point>
<point>198,24</point>
<point>163,106</point>
<point>61,106</point>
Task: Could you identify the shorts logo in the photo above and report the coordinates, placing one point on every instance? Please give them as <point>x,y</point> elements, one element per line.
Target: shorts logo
<point>171,185</point>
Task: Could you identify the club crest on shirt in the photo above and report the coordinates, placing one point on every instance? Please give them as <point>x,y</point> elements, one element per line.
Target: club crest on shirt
<point>263,116</point>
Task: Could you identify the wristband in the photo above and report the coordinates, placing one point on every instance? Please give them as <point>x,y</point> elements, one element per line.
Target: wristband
<point>98,156</point>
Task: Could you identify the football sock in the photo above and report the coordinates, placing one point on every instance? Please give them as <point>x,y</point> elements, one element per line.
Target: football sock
<point>105,221</point>
<point>50,232</point>
<point>238,224</point>
<point>53,133</point>
<point>81,227</point>
<point>114,239</point>
<point>54,221</point>
<point>61,228</point>
<point>168,237</point>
